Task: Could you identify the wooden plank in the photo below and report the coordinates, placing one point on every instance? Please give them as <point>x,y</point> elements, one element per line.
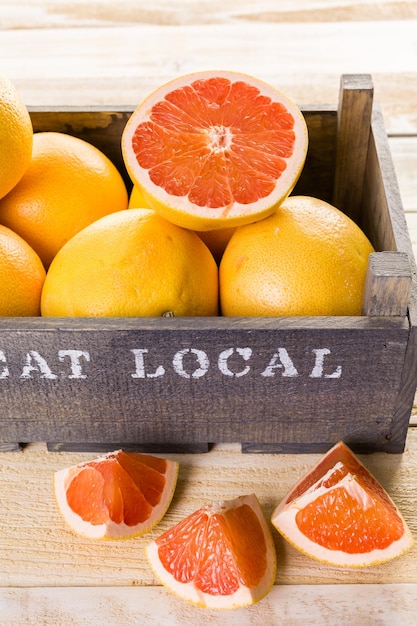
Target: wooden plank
<point>174,381</point>
<point>149,448</point>
<point>51,555</point>
<point>388,284</point>
<point>9,447</point>
<point>353,129</point>
<point>377,221</point>
<point>24,14</point>
<point>404,155</point>
<point>117,65</point>
<point>402,242</point>
<point>347,605</point>
<point>412,228</point>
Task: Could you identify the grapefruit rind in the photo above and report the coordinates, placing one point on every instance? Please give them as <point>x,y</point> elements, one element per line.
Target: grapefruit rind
<point>284,520</point>
<point>244,596</point>
<point>110,530</point>
<point>179,209</point>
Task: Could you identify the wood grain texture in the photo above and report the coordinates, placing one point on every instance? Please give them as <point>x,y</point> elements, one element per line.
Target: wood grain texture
<point>119,64</point>
<point>24,14</point>
<point>107,398</point>
<point>353,129</point>
<point>388,284</point>
<point>37,549</point>
<point>321,605</point>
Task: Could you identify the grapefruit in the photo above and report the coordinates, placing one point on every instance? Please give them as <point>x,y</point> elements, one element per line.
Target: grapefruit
<point>68,184</point>
<point>215,240</point>
<point>222,556</point>
<point>341,515</point>
<point>22,276</point>
<point>215,149</point>
<point>307,258</point>
<point>116,496</point>
<point>132,263</point>
<point>16,136</point>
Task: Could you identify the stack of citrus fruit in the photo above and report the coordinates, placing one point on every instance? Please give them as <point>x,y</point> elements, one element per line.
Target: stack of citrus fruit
<point>52,185</point>
<point>208,151</point>
<point>67,185</point>
<point>219,153</point>
<point>212,153</point>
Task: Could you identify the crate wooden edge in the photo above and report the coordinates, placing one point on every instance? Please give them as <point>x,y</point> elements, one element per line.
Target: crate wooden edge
<point>406,395</point>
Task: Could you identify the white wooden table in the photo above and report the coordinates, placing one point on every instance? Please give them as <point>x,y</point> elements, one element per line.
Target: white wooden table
<point>106,53</point>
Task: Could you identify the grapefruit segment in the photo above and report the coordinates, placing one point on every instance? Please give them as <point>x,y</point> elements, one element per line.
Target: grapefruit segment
<point>341,515</point>
<point>116,496</point>
<point>222,556</point>
<point>215,149</point>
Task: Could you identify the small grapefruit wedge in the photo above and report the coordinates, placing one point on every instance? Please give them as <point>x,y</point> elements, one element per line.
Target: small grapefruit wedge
<point>116,496</point>
<point>215,149</point>
<point>222,556</point>
<point>341,515</point>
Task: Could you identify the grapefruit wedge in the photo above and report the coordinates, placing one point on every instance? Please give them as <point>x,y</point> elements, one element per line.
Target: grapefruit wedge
<point>222,556</point>
<point>215,149</point>
<point>341,515</point>
<point>116,496</point>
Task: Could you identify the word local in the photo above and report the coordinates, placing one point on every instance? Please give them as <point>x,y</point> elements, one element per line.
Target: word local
<point>188,363</point>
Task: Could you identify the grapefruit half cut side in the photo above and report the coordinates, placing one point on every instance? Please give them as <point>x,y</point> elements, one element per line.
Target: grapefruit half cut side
<point>215,149</point>
<point>222,556</point>
<point>341,515</point>
<point>116,496</point>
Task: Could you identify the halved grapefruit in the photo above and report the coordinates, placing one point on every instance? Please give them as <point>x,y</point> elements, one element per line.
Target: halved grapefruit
<point>116,496</point>
<point>215,149</point>
<point>222,556</point>
<point>341,515</point>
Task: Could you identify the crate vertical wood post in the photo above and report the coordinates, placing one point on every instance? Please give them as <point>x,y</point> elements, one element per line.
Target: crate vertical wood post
<point>353,129</point>
<point>388,284</point>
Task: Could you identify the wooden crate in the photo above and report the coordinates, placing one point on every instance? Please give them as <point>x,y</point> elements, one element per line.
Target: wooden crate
<point>273,384</point>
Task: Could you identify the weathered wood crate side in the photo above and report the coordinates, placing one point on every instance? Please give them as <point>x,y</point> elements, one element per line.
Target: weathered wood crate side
<point>383,218</point>
<point>293,383</point>
<point>273,384</point>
